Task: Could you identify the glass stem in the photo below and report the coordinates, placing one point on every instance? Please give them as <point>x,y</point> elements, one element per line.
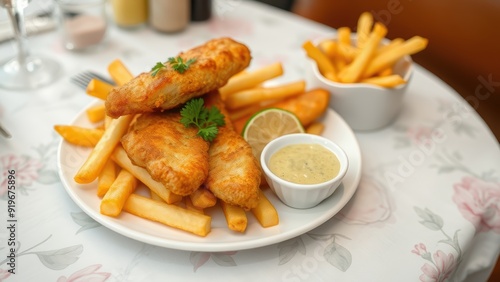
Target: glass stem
<point>16,14</point>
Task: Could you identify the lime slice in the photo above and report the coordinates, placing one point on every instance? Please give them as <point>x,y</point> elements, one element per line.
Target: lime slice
<point>267,125</point>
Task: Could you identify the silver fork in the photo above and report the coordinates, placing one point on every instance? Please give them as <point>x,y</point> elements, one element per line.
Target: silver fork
<point>4,132</point>
<point>82,79</point>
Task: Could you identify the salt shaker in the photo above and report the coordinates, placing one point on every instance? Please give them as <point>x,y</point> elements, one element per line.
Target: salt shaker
<point>83,23</point>
<point>169,15</point>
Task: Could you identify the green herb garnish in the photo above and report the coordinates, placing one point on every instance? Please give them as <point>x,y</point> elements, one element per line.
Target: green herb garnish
<point>157,68</point>
<point>177,64</point>
<point>207,120</point>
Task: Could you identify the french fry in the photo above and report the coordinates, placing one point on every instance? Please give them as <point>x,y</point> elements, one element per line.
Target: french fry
<point>346,52</point>
<point>387,81</point>
<point>96,113</point>
<point>344,35</point>
<point>329,47</point>
<point>119,73</point>
<point>385,72</point>
<point>331,76</point>
<point>189,206</point>
<point>106,178</point>
<point>354,70</point>
<point>249,110</point>
<point>363,29</point>
<point>103,150</point>
<point>307,106</point>
<point>340,64</point>
<point>121,158</point>
<point>248,80</point>
<point>124,185</point>
<point>252,96</point>
<point>382,61</point>
<point>170,215</point>
<point>107,121</point>
<point>265,212</point>
<point>155,196</point>
<point>245,111</point>
<point>202,198</point>
<point>315,128</point>
<point>77,135</point>
<point>236,217</point>
<point>388,47</point>
<point>325,66</point>
<point>98,88</point>
<point>240,73</point>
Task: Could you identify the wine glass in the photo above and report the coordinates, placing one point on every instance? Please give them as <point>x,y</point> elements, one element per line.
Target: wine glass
<point>25,71</point>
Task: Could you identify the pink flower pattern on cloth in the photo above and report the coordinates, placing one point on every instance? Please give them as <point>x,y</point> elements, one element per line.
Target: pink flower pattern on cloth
<point>479,202</point>
<point>87,274</point>
<point>420,135</point>
<point>442,267</point>
<point>4,274</point>
<point>26,170</point>
<point>371,204</point>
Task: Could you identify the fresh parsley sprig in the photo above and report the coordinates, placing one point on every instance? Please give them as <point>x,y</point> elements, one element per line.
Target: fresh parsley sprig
<point>157,68</point>
<point>207,120</point>
<point>177,64</point>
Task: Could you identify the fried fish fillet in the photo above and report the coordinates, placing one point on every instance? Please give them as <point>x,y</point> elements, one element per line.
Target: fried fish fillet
<point>234,175</point>
<point>215,62</point>
<point>172,153</point>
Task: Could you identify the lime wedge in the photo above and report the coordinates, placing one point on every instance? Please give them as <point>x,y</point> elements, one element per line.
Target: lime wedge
<point>268,124</point>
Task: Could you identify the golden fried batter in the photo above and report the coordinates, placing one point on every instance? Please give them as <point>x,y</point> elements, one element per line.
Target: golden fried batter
<point>234,175</point>
<point>216,61</point>
<point>172,154</point>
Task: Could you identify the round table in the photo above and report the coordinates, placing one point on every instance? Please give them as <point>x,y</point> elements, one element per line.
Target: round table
<point>427,207</point>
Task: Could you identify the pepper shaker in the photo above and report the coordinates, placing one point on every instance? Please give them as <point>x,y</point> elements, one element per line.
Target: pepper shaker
<point>201,10</point>
<point>169,15</point>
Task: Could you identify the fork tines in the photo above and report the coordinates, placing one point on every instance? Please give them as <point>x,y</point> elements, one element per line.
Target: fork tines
<point>82,79</point>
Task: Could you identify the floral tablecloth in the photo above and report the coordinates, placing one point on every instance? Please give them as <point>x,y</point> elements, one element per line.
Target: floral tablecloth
<point>427,207</point>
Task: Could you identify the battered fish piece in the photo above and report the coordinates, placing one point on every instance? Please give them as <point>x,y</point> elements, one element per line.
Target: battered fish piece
<point>172,154</point>
<point>234,175</point>
<point>216,61</point>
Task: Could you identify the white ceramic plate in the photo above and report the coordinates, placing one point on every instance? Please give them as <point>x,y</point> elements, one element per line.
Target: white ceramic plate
<point>293,222</point>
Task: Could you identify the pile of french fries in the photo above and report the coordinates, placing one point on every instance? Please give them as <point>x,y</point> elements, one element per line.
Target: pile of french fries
<point>363,57</point>
<point>117,177</point>
<point>245,95</point>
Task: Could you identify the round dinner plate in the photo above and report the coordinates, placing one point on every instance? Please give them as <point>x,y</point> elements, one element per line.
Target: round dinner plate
<point>293,222</point>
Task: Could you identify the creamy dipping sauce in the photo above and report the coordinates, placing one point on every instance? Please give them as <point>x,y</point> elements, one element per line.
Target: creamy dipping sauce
<point>304,163</point>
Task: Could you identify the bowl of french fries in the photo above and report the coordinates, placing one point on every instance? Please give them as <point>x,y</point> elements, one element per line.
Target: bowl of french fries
<point>366,73</point>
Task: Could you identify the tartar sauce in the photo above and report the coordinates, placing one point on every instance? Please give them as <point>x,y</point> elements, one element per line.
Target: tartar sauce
<point>304,163</point>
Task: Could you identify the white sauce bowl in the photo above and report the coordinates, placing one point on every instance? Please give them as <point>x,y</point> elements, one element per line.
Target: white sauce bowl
<point>302,196</point>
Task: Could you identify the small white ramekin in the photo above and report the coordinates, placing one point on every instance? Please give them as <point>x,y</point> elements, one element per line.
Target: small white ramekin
<point>302,196</point>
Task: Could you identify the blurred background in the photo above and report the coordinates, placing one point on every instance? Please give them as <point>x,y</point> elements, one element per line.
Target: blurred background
<point>464,37</point>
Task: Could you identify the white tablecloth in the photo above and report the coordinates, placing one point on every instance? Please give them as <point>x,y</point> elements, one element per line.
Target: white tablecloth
<point>427,207</point>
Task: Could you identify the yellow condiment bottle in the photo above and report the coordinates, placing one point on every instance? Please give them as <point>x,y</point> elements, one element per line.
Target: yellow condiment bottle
<point>130,13</point>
